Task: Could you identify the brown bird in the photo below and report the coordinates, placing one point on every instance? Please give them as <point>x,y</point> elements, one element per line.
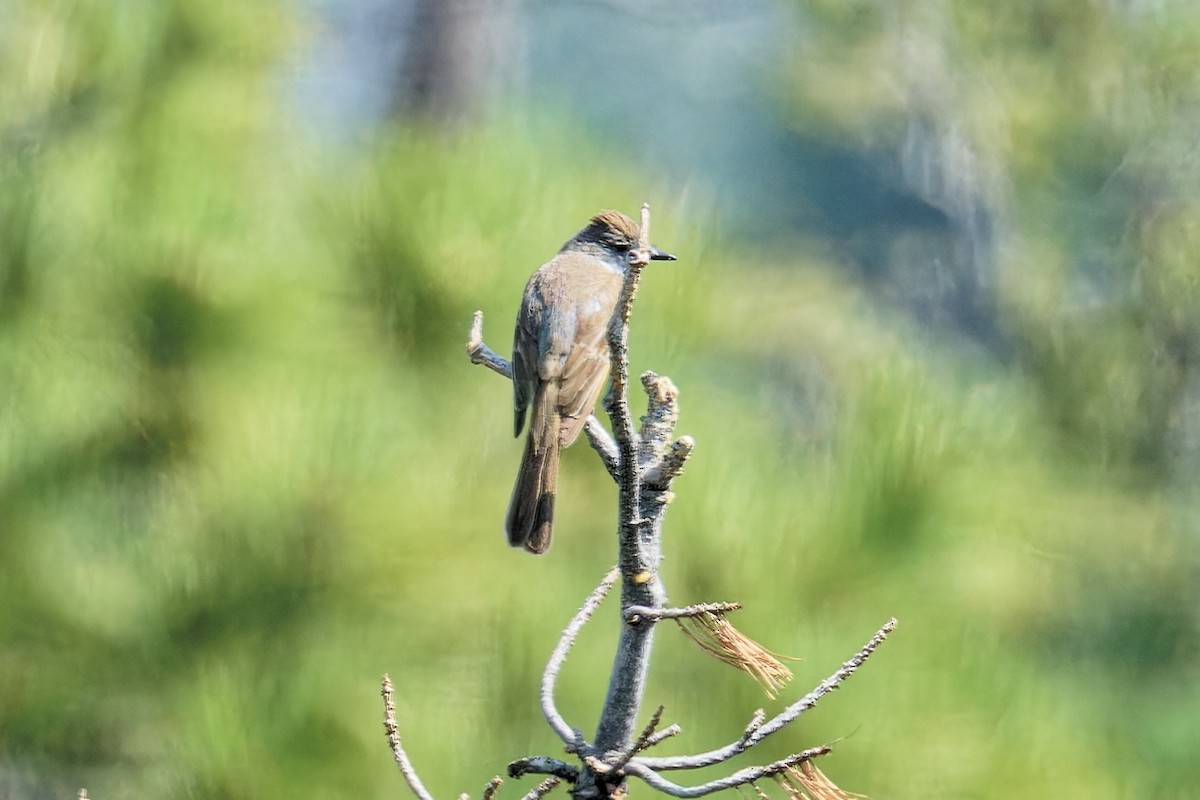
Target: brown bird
<point>560,361</point>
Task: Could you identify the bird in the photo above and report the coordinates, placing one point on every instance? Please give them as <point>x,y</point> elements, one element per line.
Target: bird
<point>560,361</point>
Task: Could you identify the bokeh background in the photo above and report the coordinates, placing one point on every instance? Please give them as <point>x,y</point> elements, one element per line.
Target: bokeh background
<point>935,321</point>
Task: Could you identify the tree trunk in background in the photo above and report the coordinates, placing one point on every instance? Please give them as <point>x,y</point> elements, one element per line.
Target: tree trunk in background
<point>453,53</point>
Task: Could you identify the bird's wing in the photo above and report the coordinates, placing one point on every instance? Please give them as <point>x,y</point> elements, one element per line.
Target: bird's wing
<point>587,365</point>
<point>525,354</point>
<point>582,381</point>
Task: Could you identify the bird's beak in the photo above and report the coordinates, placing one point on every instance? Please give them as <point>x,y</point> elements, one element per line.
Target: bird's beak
<point>659,255</point>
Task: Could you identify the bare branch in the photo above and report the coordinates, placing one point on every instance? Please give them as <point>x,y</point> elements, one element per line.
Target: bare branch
<point>670,466</point>
<point>634,614</point>
<point>658,738</point>
<point>602,442</point>
<point>662,414</point>
<point>480,353</point>
<point>543,765</point>
<point>638,769</point>
<point>393,735</point>
<point>756,731</point>
<point>565,732</point>
<point>542,789</point>
<point>638,539</point>
<point>489,791</point>
<point>826,686</point>
<point>754,724</point>
<point>617,401</point>
<point>650,728</point>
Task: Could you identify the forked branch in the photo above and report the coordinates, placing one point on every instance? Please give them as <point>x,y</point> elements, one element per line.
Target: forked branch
<point>643,461</point>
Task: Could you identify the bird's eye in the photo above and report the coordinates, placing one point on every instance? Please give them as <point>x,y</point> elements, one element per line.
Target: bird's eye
<point>632,256</point>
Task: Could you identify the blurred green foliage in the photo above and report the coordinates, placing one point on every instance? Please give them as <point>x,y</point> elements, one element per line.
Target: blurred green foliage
<point>245,468</point>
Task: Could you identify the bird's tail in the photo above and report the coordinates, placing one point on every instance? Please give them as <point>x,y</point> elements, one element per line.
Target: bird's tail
<point>530,521</point>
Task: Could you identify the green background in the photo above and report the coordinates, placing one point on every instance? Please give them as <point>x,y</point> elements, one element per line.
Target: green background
<point>246,468</point>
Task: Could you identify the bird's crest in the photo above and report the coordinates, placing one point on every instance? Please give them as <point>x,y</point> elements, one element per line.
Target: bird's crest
<point>612,229</point>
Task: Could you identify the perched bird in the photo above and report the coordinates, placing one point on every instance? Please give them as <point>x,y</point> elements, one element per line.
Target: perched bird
<point>560,361</point>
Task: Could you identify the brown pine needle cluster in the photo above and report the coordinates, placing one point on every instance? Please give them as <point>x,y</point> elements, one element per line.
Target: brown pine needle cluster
<point>715,635</point>
<point>807,782</point>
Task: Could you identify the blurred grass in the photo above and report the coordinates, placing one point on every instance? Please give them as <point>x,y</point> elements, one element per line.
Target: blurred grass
<point>245,467</point>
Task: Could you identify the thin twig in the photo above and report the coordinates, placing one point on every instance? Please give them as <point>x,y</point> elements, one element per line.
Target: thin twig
<point>640,613</point>
<point>662,460</point>
<point>754,724</point>
<point>565,732</point>
<point>649,730</point>
<point>756,733</point>
<point>826,686</point>
<point>602,442</point>
<point>480,353</point>
<point>638,769</point>
<point>393,735</point>
<point>670,466</point>
<point>489,791</point>
<point>542,789</point>
<point>662,410</point>
<point>661,736</point>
